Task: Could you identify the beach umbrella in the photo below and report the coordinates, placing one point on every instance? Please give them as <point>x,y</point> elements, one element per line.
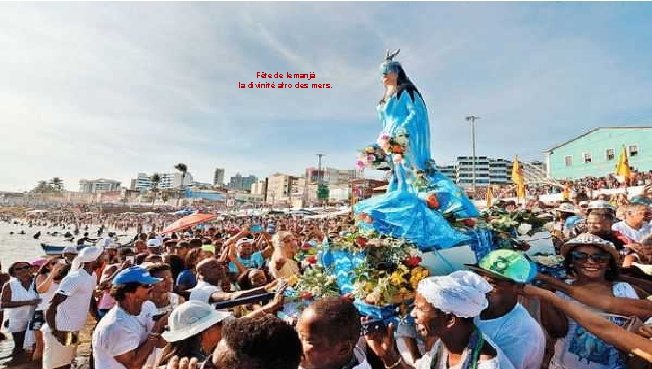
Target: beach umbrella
<point>189,221</point>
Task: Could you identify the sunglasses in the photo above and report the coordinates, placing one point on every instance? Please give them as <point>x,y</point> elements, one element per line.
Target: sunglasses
<point>148,286</point>
<point>22,268</point>
<point>599,257</point>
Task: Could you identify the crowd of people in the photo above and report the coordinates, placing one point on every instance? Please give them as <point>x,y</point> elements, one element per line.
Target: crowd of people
<point>210,295</point>
<point>582,187</point>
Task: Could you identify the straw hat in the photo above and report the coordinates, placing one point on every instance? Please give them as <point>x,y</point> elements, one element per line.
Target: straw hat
<point>191,318</point>
<point>567,207</point>
<point>588,239</point>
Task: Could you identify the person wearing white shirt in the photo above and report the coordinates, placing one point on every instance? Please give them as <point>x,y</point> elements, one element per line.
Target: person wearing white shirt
<point>126,336</point>
<point>67,312</point>
<point>505,321</point>
<point>635,226</point>
<point>210,274</point>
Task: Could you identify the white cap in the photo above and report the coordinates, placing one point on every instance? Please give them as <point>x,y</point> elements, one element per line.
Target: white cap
<point>86,255</point>
<point>190,318</point>
<point>154,242</point>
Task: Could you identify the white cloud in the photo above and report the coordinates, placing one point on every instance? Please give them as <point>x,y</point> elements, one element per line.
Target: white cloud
<point>111,89</point>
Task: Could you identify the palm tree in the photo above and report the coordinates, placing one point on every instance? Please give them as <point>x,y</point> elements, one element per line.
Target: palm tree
<point>155,179</point>
<point>183,168</point>
<point>57,184</point>
<point>41,187</point>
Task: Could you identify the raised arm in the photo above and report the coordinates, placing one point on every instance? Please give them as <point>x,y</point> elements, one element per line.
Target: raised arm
<point>605,330</point>
<point>610,304</point>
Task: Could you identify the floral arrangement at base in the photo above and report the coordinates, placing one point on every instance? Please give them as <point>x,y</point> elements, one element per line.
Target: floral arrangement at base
<point>381,272</point>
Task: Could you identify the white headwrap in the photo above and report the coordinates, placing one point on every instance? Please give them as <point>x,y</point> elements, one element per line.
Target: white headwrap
<point>86,255</point>
<point>461,293</point>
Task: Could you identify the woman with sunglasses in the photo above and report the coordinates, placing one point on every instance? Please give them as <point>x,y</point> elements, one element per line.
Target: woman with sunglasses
<point>18,301</point>
<point>592,264</point>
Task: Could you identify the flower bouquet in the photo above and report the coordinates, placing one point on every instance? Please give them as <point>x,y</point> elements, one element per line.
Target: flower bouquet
<point>396,145</point>
<point>372,156</point>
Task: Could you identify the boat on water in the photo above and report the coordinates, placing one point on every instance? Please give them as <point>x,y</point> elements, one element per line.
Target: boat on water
<point>58,250</point>
<point>50,249</point>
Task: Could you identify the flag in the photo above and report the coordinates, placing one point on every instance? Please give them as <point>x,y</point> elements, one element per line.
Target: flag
<point>489,197</point>
<point>622,168</point>
<point>518,178</point>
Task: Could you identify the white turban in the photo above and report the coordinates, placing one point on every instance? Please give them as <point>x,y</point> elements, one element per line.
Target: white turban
<point>86,255</point>
<point>461,293</point>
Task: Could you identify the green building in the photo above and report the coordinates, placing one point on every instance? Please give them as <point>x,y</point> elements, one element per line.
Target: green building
<point>595,153</point>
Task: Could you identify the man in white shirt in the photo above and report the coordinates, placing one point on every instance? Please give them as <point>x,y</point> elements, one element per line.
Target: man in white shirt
<point>122,339</point>
<point>210,275</point>
<point>635,226</point>
<point>67,312</point>
<point>505,321</point>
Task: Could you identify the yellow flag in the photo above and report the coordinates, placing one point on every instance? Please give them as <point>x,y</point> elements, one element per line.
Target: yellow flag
<point>518,178</point>
<point>489,197</point>
<point>622,168</point>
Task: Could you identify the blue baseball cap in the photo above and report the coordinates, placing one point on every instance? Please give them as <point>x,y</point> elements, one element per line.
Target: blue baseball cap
<point>134,274</point>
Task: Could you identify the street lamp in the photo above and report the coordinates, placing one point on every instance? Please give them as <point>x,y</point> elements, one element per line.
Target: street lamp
<point>320,177</point>
<point>472,119</point>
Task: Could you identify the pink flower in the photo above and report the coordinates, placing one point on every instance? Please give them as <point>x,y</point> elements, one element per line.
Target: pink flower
<point>360,164</point>
<point>371,158</point>
<point>383,139</point>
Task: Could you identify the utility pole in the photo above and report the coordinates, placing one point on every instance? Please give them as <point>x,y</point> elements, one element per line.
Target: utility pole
<point>320,177</point>
<point>472,119</point>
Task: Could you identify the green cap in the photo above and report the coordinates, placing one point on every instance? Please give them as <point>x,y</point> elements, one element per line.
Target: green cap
<point>507,264</point>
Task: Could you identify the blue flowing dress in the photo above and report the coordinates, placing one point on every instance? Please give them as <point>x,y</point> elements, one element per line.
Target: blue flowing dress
<point>402,211</point>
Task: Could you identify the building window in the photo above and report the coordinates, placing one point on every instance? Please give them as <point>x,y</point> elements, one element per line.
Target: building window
<point>611,154</point>
<point>587,157</point>
<point>568,160</point>
<point>633,150</point>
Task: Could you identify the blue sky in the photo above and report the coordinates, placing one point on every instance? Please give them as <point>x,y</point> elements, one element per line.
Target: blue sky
<point>110,89</point>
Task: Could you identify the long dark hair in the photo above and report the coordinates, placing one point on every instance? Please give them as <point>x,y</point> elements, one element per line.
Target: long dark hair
<point>403,83</point>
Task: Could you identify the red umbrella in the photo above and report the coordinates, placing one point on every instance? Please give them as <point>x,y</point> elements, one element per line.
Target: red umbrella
<point>189,221</point>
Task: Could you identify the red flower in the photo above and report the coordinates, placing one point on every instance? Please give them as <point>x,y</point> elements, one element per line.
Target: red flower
<point>432,201</point>
<point>412,261</point>
<point>469,222</point>
<point>305,246</point>
<point>306,295</point>
<point>361,241</point>
<point>312,259</point>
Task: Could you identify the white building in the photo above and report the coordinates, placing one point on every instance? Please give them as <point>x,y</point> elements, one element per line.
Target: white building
<point>98,185</point>
<point>168,180</point>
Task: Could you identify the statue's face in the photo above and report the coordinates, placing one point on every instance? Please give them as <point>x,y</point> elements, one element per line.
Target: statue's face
<point>390,79</point>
